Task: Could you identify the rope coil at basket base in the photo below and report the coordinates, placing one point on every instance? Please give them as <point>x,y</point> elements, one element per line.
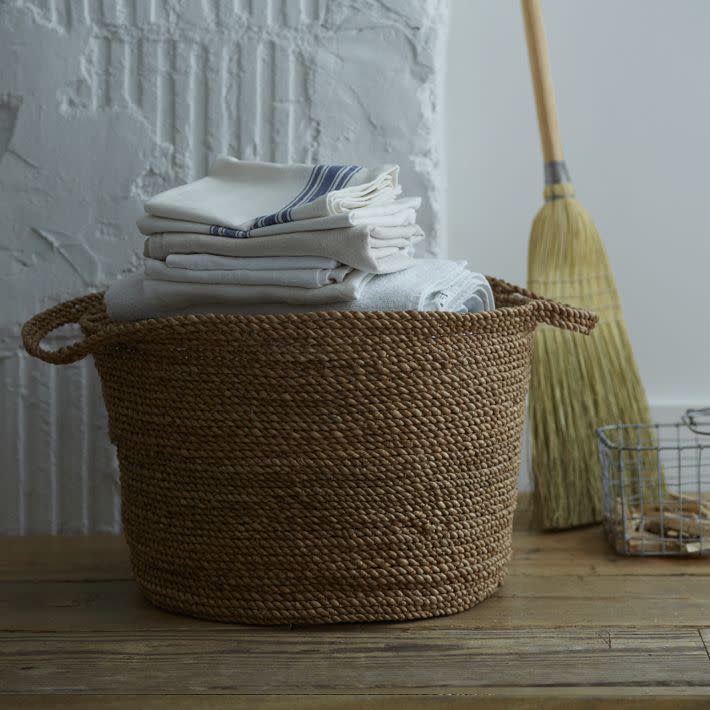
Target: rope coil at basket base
<point>315,467</point>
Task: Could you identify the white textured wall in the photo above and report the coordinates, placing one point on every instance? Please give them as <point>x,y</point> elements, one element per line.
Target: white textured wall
<point>103,103</point>
<point>634,105</point>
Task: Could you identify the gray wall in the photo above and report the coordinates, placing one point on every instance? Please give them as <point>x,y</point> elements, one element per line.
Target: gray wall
<point>634,103</point>
<point>105,103</point>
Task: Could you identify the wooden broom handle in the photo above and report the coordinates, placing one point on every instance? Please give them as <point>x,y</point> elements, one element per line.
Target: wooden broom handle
<point>542,81</point>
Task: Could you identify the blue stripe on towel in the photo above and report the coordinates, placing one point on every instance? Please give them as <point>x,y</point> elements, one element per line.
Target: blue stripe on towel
<point>334,177</point>
<point>268,220</point>
<point>322,180</point>
<point>217,231</point>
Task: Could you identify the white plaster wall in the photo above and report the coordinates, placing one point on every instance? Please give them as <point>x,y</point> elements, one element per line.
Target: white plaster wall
<point>634,104</point>
<point>105,102</point>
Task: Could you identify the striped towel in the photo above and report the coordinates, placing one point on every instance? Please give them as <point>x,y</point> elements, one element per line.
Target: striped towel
<point>378,250</point>
<point>241,196</point>
<point>398,213</point>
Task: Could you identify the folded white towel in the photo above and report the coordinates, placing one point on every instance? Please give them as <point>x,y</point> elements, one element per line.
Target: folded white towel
<point>241,195</point>
<point>378,250</point>
<point>391,214</point>
<point>430,285</point>
<point>204,262</point>
<point>137,297</point>
<point>304,278</point>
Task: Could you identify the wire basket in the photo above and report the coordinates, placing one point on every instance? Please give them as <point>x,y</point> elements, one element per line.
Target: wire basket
<point>656,486</point>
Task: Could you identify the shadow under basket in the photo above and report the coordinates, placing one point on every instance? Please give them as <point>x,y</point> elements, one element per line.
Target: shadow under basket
<point>316,467</point>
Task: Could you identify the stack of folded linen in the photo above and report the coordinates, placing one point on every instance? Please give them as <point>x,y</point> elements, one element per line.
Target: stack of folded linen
<point>262,237</point>
<point>429,285</point>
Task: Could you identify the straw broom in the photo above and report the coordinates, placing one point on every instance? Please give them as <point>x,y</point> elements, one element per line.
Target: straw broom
<point>577,384</point>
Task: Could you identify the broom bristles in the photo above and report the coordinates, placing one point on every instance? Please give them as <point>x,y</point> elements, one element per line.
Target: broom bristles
<point>577,384</point>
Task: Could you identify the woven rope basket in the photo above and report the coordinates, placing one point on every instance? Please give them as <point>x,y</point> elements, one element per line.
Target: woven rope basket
<point>317,467</point>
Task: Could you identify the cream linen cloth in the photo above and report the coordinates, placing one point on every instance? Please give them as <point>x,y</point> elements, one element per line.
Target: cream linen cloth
<point>137,297</point>
<point>430,285</point>
<point>242,195</point>
<point>391,214</point>
<point>202,262</point>
<point>377,250</point>
<point>304,278</point>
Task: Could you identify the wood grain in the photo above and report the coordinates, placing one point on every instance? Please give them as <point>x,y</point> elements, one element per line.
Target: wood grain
<point>486,699</point>
<point>521,602</point>
<point>309,662</point>
<point>541,74</point>
<point>578,552</point>
<point>45,558</point>
<point>573,626</point>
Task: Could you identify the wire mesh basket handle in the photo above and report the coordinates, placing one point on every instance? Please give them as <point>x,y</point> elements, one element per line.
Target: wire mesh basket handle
<point>697,420</point>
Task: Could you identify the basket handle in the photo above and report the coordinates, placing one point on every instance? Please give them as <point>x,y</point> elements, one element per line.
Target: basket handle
<point>566,317</point>
<point>550,312</point>
<point>37,328</point>
<point>690,419</point>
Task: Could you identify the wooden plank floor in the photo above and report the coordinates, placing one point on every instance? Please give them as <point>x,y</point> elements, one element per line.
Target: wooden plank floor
<point>573,626</point>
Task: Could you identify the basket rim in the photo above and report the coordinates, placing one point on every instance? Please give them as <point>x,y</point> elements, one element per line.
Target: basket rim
<point>528,304</point>
<point>521,306</point>
<point>604,441</point>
